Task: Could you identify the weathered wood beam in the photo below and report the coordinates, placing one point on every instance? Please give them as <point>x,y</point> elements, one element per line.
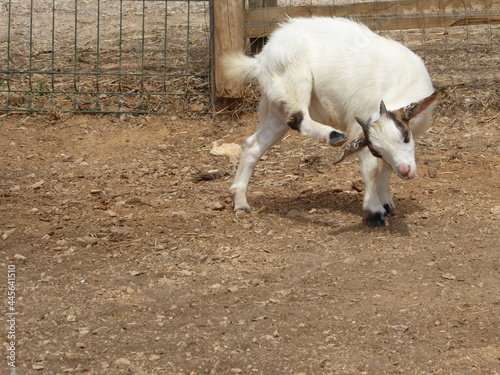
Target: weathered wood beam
<point>385,15</point>
<point>228,36</point>
<point>395,22</point>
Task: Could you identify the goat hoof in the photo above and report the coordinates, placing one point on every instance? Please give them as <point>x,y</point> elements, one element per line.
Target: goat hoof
<point>377,219</point>
<point>336,138</point>
<point>388,208</point>
<point>244,209</point>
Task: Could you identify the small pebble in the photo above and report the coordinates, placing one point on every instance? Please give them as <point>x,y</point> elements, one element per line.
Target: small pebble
<point>218,206</point>
<point>83,331</point>
<point>111,213</point>
<point>122,362</point>
<point>448,276</point>
<point>7,233</point>
<point>100,330</point>
<point>71,318</point>
<point>216,286</point>
<point>37,185</point>
<point>400,328</point>
<point>432,172</point>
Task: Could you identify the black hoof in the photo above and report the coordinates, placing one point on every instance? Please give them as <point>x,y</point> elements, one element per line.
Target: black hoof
<point>336,137</point>
<point>388,209</point>
<point>377,219</point>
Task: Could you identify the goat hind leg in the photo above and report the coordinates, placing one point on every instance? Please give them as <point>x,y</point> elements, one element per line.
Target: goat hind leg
<point>271,130</point>
<point>295,101</point>
<point>302,122</point>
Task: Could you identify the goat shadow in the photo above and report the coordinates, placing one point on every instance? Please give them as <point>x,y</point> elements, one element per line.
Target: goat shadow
<point>337,202</point>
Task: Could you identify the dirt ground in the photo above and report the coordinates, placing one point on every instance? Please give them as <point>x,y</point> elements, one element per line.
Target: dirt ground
<point>129,259</point>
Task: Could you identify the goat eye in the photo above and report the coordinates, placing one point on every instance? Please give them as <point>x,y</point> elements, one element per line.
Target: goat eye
<point>406,136</point>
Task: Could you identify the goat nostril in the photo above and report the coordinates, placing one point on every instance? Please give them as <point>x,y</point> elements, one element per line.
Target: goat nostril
<point>404,170</point>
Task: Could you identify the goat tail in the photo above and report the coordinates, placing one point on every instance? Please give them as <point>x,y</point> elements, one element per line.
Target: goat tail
<point>239,67</point>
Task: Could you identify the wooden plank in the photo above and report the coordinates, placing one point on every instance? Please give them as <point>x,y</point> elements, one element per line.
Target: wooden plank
<point>262,3</point>
<point>383,15</point>
<point>381,8</point>
<point>395,22</point>
<point>256,44</point>
<point>228,36</point>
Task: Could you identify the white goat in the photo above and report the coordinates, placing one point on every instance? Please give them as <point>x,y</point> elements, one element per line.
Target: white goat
<point>333,79</point>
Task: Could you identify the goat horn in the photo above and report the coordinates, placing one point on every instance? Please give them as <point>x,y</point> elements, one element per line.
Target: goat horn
<point>354,146</point>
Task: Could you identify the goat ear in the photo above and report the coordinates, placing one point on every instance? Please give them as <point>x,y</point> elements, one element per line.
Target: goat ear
<point>352,147</point>
<point>407,113</point>
<point>365,125</point>
<point>383,109</point>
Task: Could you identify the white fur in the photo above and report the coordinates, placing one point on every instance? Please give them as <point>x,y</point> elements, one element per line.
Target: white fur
<point>332,70</point>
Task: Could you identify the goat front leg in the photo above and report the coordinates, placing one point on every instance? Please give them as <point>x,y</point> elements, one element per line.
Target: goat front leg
<point>377,214</point>
<point>384,188</point>
<point>272,130</point>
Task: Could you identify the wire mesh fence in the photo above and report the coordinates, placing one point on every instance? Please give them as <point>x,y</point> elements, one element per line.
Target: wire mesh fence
<point>104,56</point>
<point>153,56</point>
